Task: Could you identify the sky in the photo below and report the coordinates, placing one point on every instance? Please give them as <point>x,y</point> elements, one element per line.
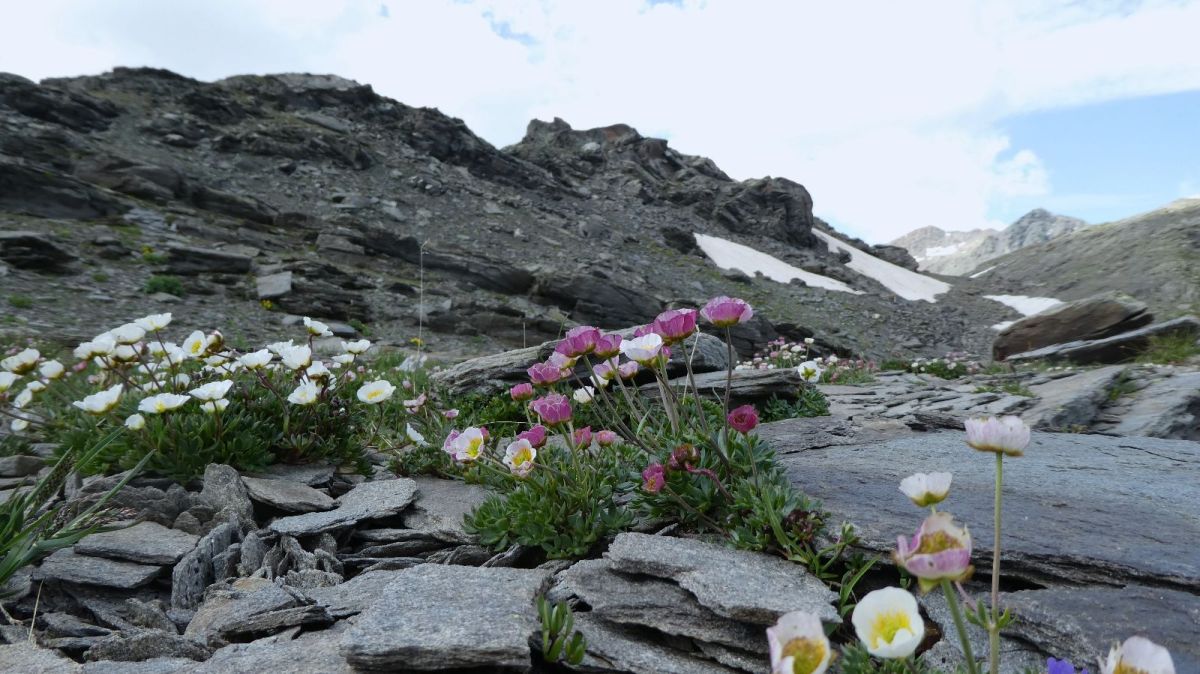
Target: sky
<point>953,113</point>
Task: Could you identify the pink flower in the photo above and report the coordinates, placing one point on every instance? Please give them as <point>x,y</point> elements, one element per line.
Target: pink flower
<point>682,457</point>
<point>606,438</point>
<point>628,370</point>
<point>450,414</point>
<point>654,478</point>
<point>1006,435</point>
<point>743,419</point>
<point>466,446</point>
<point>583,437</point>
<point>579,341</point>
<point>521,392</point>
<point>536,436</point>
<point>561,360</point>
<point>413,406</point>
<point>939,550</point>
<point>608,346</point>
<point>605,371</point>
<point>675,325</point>
<point>725,312</point>
<point>544,374</point>
<point>448,445</point>
<point>553,408</point>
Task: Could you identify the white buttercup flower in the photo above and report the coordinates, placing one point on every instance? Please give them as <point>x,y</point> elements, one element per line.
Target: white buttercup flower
<point>7,379</point>
<point>296,357</point>
<point>195,345</point>
<point>376,392</point>
<point>23,398</point>
<point>163,402</point>
<point>584,395</point>
<point>343,359</point>
<point>809,371</point>
<point>256,360</point>
<point>51,369</point>
<point>102,402</point>
<point>358,347</point>
<point>644,349</point>
<point>154,322</point>
<point>416,438</point>
<point>130,333</point>
<point>212,391</point>
<point>1138,655</point>
<point>926,489</point>
<point>214,406</point>
<point>19,425</point>
<point>135,422</point>
<point>304,394</point>
<point>316,328</point>
<point>35,386</point>
<point>888,623</point>
<point>22,362</point>
<point>317,371</point>
<point>798,645</point>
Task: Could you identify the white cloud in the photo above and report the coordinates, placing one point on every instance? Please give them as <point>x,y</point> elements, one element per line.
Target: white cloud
<point>887,113</point>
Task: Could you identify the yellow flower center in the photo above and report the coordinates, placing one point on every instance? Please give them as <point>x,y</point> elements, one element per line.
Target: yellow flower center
<point>160,406</point>
<point>1126,668</point>
<point>886,625</point>
<point>937,541</point>
<point>807,654</point>
<point>375,393</point>
<point>473,447</point>
<point>523,456</point>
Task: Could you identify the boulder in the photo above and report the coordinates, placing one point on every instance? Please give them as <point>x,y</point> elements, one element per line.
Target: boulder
<point>748,386</point>
<point>28,658</point>
<point>286,495</point>
<point>1071,402</point>
<point>32,190</point>
<point>68,566</point>
<point>144,543</point>
<point>224,491</point>
<point>369,500</point>
<point>189,260</point>
<point>1082,320</point>
<point>202,566</point>
<point>1115,349</point>
<point>33,250</point>
<point>1167,408</point>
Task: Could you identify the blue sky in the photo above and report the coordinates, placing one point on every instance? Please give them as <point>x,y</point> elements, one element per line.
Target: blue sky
<point>954,113</point>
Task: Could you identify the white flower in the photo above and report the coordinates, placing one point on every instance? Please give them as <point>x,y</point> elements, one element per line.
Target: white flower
<point>798,645</point>
<point>926,489</point>
<point>888,623</point>
<point>832,359</point>
<point>154,322</point>
<point>296,357</point>
<point>810,341</point>
<point>468,446</point>
<point>809,371</point>
<point>1005,435</point>
<point>125,353</point>
<point>136,422</point>
<point>1138,655</point>
<point>163,402</point>
<point>343,359</point>
<point>174,355</point>
<point>317,328</point>
<point>519,457</point>
<point>52,369</point>
<point>101,402</point>
<point>182,380</point>
<point>217,360</point>
<point>195,345</point>
<point>23,398</point>
<point>22,362</point>
<point>130,333</point>
<point>583,395</point>
<point>35,386</point>
<point>376,392</point>
<point>7,379</point>
<point>644,349</point>
<point>304,394</point>
<point>276,347</point>
<point>214,406</point>
<point>19,425</point>
<point>358,347</point>
<point>214,390</point>
<point>416,438</point>
<point>317,371</point>
<point>256,360</point>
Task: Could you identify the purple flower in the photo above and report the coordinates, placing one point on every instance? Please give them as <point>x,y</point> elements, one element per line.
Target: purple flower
<point>579,341</point>
<point>536,436</point>
<point>724,312</point>
<point>627,370</point>
<point>544,374</point>
<point>606,438</point>
<point>743,419</point>
<point>940,550</point>
<point>553,408</point>
<point>1061,667</point>
<point>608,346</point>
<point>675,325</point>
<point>521,392</point>
<point>654,478</point>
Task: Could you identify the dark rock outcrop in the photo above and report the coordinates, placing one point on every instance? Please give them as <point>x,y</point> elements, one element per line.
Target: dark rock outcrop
<point>1090,319</point>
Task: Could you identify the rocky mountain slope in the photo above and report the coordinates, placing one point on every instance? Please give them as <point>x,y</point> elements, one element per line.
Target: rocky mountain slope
<point>1154,257</point>
<point>260,197</point>
<point>959,253</point>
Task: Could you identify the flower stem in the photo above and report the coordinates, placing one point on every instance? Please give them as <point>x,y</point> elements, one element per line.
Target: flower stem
<point>994,623</point>
<point>963,637</point>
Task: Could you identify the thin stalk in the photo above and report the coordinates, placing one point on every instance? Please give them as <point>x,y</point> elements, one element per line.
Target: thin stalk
<point>964,639</point>
<point>696,391</point>
<point>994,623</point>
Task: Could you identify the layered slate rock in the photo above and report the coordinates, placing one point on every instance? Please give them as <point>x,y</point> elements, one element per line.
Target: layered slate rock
<point>286,495</point>
<point>200,567</point>
<point>355,595</point>
<point>1115,349</point>
<point>1167,408</point>
<point>441,506</point>
<point>747,386</point>
<point>1071,402</point>
<point>144,543</point>
<point>1084,508</point>
<point>309,653</point>
<point>27,657</point>
<point>735,584</point>
<point>436,617</point>
<point>1088,319</point>
<point>69,566</point>
<point>369,500</point>
<point>616,648</point>
<point>251,608</point>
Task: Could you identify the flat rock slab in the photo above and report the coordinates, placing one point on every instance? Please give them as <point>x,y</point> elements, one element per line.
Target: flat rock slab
<point>441,506</point>
<point>369,500</point>
<point>1168,408</point>
<point>20,466</point>
<point>1081,623</point>
<point>27,658</point>
<point>435,617</point>
<point>287,496</point>
<point>1079,508</point>
<point>311,474</point>
<point>1071,401</point>
<point>145,543</point>
<point>67,566</point>
<point>613,648</point>
<point>151,666</point>
<point>309,653</point>
<point>736,584</point>
<point>654,603</point>
<point>355,595</point>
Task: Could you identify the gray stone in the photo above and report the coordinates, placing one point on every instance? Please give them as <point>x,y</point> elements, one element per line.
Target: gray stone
<point>224,490</point>
<point>1167,408</point>
<point>287,495</point>
<point>1115,349</point>
<point>311,579</point>
<point>736,584</point>
<point>653,603</point>
<point>151,666</point>
<point>355,595</point>
<point>311,474</point>
<point>1016,657</point>
<point>67,566</point>
<point>436,617</point>
<point>138,644</point>
<point>20,466</point>
<point>369,500</point>
<point>1064,490</point>
<point>27,658</point>
<point>1071,402</point>
<point>188,260</point>
<point>440,507</point>
<point>616,648</point>
<point>145,543</point>
<point>195,571</point>
<point>274,286</point>
<point>148,614</point>
<point>226,607</point>
<point>59,624</point>
<point>748,386</point>
<point>1087,319</point>
<point>309,653</point>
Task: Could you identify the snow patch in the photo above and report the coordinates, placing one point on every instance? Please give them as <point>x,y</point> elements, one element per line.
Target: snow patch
<point>729,255</point>
<point>981,273</point>
<point>941,251</point>
<point>1024,305</point>
<point>904,282</point>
